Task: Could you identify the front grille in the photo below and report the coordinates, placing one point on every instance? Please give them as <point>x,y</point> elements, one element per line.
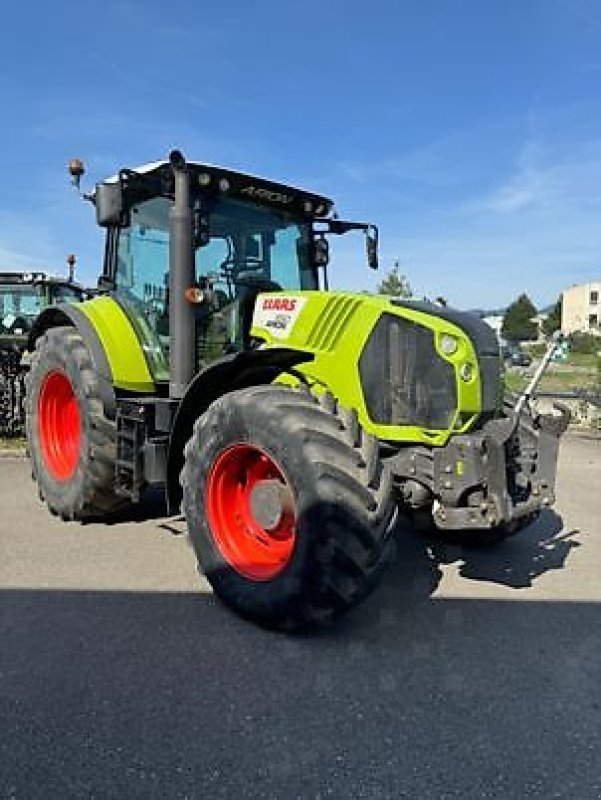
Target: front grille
<point>484,341</point>
<point>404,380</point>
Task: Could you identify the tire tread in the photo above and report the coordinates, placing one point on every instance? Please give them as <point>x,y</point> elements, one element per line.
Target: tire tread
<point>351,485</point>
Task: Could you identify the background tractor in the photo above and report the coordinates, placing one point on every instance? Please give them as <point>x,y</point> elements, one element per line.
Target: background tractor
<point>22,298</point>
<point>287,421</point>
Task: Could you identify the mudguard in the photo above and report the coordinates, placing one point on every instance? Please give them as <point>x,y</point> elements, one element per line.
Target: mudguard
<point>113,344</point>
<point>237,371</point>
<point>70,315</point>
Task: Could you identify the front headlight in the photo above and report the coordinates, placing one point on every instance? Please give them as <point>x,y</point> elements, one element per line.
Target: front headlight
<point>448,344</point>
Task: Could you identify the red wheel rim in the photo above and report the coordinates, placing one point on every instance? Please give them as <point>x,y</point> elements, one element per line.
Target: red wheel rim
<point>240,478</point>
<point>59,425</point>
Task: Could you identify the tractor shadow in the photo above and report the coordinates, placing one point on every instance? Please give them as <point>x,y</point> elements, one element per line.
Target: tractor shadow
<point>417,561</point>
<point>152,506</point>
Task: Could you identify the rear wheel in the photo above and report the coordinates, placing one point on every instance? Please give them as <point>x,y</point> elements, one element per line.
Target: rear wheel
<point>71,441</point>
<point>288,505</point>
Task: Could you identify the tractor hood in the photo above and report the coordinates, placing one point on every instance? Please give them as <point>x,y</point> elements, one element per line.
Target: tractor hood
<point>413,371</point>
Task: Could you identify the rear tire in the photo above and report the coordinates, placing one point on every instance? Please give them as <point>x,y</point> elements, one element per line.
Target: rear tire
<point>71,441</point>
<point>328,548</point>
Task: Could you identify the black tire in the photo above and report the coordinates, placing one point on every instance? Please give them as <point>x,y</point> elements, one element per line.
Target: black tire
<point>88,491</point>
<point>344,507</point>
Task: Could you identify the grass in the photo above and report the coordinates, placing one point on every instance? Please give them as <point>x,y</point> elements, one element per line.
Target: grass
<point>18,443</point>
<point>589,360</point>
<point>515,381</point>
<point>536,350</point>
<point>565,380</point>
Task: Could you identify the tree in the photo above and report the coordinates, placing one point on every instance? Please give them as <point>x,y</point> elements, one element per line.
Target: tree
<point>395,284</point>
<point>518,324</point>
<point>553,321</point>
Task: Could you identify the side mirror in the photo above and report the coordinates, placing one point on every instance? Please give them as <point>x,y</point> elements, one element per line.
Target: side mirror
<point>371,246</point>
<point>321,252</point>
<point>109,205</point>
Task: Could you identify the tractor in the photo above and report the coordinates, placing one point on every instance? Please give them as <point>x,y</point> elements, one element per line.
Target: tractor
<point>22,296</point>
<point>287,422</point>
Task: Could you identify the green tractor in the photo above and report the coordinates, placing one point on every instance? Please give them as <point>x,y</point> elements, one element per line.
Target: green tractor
<point>22,296</point>
<point>288,422</point>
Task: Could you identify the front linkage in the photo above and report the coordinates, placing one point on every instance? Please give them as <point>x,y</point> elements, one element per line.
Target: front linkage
<point>503,474</point>
<point>496,477</point>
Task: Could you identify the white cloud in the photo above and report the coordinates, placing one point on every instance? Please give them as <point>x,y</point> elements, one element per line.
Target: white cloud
<point>558,180</point>
<point>524,190</point>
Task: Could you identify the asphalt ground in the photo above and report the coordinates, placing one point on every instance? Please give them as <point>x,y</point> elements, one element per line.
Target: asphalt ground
<point>468,674</point>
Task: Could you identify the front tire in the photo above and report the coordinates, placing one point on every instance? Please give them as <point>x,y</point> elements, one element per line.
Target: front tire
<point>71,441</point>
<point>288,505</point>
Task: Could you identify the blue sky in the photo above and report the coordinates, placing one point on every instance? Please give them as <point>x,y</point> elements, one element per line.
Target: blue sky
<point>469,130</point>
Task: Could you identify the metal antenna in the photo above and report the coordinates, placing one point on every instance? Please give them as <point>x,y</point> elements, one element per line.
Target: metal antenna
<point>71,261</point>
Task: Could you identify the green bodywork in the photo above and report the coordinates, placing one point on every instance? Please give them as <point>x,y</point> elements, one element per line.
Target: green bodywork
<point>332,326</point>
<point>126,352</point>
<point>335,327</point>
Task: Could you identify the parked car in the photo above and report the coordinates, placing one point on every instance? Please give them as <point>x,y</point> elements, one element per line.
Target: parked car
<point>516,357</point>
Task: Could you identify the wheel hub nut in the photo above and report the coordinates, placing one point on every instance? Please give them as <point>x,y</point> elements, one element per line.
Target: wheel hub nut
<point>269,501</point>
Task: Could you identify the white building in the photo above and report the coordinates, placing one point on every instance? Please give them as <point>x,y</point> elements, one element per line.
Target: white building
<point>581,308</point>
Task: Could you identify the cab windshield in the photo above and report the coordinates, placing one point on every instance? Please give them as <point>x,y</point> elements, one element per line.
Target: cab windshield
<point>19,306</point>
<point>246,249</point>
<point>62,293</point>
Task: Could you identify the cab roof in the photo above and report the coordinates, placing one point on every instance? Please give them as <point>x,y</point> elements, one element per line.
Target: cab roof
<point>34,277</point>
<point>215,180</point>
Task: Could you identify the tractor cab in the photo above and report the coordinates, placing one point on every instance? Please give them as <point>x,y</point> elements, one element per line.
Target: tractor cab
<point>23,295</point>
<point>192,271</point>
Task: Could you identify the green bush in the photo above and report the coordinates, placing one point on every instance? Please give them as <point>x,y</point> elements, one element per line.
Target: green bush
<point>586,343</point>
<point>537,350</point>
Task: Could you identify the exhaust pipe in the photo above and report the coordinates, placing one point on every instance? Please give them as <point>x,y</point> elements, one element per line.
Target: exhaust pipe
<point>181,277</point>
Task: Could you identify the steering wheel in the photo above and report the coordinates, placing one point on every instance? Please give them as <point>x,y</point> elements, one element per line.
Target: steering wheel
<point>20,323</point>
<point>230,262</point>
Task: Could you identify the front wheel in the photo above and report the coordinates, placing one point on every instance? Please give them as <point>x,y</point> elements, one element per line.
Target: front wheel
<point>288,505</point>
